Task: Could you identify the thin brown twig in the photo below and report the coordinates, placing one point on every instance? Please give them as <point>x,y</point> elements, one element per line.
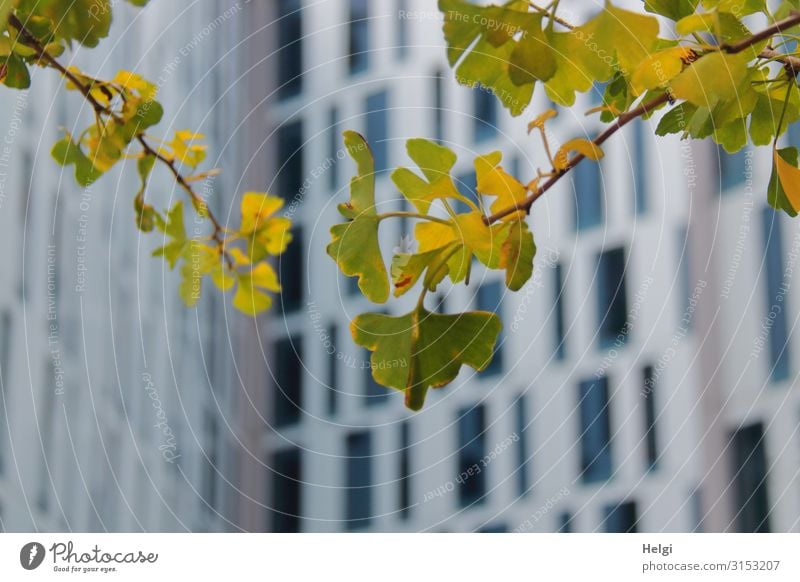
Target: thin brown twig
<point>100,109</point>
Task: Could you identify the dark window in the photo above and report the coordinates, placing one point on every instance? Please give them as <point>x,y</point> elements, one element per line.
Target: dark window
<point>490,297</point>
<point>471,442</point>
<point>374,393</point>
<point>438,106</point>
<point>595,434</point>
<point>211,461</point>
<point>621,518</point>
<point>586,180</point>
<point>649,403</point>
<point>522,445</point>
<point>359,36</point>
<point>402,29</point>
<point>290,177</point>
<point>485,112</point>
<point>612,302</point>
<point>405,470</point>
<point>333,370</point>
<point>559,317</point>
<point>494,528</point>
<point>289,378</point>
<point>732,168</point>
<point>359,480</point>
<point>639,159</point>
<point>290,48</point>
<point>286,491</point>
<point>5,378</point>
<point>685,278</point>
<point>334,143</point>
<point>467,186</point>
<point>750,480</point>
<point>776,310</point>
<point>290,269</point>
<point>565,522</point>
<point>377,129</point>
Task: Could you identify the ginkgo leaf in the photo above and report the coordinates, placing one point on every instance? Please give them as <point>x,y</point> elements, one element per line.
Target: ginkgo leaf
<point>493,180</point>
<point>251,297</point>
<point>583,146</point>
<point>532,58</point>
<point>741,7</point>
<point>481,48</point>
<point>485,241</point>
<point>518,252</point>
<point>715,77</point>
<point>435,162</point>
<point>66,152</point>
<point>539,122</point>
<point>408,268</point>
<point>420,350</point>
<point>174,229</point>
<point>784,192</point>
<point>673,9</point>
<point>85,21</point>
<point>354,244</point>
<point>658,69</point>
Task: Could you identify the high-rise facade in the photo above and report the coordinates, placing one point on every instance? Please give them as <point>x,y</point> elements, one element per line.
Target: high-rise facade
<point>115,396</point>
<point>644,379</point>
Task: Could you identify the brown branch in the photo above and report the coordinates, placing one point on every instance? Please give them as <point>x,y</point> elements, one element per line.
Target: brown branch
<point>620,122</point>
<point>791,63</point>
<point>85,90</point>
<point>776,27</point>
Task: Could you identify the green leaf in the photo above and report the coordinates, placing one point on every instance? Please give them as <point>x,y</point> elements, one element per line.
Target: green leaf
<point>483,49</point>
<point>518,251</point>
<point>354,244</point>
<point>776,195</point>
<point>435,162</point>
<point>674,9</point>
<point>84,21</point>
<point>676,119</point>
<point>175,230</point>
<point>532,58</point>
<point>740,7</point>
<point>14,72</point>
<point>67,153</point>
<point>420,350</point>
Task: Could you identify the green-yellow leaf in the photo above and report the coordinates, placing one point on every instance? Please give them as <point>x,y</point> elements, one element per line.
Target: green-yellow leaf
<point>713,78</point>
<point>420,350</point>
<point>583,146</point>
<point>788,174</point>
<point>518,251</point>
<point>435,162</point>
<point>354,244</point>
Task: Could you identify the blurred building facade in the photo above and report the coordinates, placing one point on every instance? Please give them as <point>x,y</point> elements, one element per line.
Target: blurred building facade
<point>114,394</point>
<point>645,376</point>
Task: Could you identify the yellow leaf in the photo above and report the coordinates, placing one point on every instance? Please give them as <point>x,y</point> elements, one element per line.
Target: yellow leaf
<point>257,207</point>
<point>433,235</point>
<point>133,82</point>
<point>539,122</point>
<point>789,176</point>
<point>583,146</point>
<point>659,69</point>
<point>493,180</point>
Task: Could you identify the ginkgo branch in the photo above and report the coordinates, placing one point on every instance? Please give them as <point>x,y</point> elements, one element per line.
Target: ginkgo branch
<point>792,63</point>
<point>218,234</point>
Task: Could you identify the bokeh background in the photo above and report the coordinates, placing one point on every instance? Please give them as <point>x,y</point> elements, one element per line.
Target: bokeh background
<point>644,380</point>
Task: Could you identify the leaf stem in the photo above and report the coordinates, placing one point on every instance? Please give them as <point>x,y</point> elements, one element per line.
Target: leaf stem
<point>404,214</point>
